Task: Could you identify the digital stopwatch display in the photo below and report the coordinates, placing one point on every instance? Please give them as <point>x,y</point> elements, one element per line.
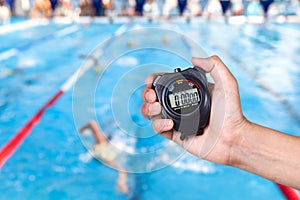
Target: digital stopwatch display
<point>183,96</point>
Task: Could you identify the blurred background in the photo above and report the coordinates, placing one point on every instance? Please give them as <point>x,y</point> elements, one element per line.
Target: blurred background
<point>282,10</point>
<point>43,44</point>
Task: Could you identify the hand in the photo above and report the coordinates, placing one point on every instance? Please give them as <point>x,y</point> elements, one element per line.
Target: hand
<point>226,119</point>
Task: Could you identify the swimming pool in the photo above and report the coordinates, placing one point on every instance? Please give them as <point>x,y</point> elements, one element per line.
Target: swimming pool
<point>52,163</point>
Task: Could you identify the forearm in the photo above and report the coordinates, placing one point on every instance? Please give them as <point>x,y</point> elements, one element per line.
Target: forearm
<point>268,153</point>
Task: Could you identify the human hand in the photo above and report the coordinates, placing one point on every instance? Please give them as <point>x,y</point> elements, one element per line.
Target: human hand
<point>226,119</point>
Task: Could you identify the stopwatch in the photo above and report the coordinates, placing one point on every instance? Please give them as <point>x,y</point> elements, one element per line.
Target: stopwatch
<point>185,98</point>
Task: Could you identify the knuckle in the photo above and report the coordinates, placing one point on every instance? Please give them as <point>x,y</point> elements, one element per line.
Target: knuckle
<point>215,58</point>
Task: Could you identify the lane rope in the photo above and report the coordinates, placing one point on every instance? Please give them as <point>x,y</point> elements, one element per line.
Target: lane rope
<point>57,34</point>
<point>11,146</point>
<point>21,26</point>
<point>288,193</point>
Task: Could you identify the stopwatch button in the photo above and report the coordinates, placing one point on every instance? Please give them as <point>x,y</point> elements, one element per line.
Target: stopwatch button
<point>182,136</point>
<point>156,80</point>
<point>177,70</point>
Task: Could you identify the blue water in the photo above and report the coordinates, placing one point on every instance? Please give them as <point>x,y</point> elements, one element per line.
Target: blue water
<point>52,163</point>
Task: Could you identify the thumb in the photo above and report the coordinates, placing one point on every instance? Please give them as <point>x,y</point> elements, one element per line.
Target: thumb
<point>218,70</point>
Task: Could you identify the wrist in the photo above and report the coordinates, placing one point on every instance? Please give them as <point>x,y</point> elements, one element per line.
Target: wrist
<point>238,143</point>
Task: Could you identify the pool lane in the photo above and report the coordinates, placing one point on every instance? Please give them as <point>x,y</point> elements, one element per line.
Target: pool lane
<point>272,74</point>
<point>58,149</point>
<point>24,41</point>
<point>16,39</point>
<point>35,74</point>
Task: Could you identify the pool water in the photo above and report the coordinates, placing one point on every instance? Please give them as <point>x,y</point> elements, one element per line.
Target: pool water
<point>52,163</point>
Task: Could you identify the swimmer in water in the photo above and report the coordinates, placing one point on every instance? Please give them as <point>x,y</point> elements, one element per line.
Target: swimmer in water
<point>97,67</point>
<point>104,151</point>
<point>130,44</point>
<point>165,41</point>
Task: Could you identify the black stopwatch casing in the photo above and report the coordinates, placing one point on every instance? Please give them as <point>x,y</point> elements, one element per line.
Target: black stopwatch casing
<point>185,98</point>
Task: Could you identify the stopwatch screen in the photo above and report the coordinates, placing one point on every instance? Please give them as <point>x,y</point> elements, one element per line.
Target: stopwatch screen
<point>183,96</point>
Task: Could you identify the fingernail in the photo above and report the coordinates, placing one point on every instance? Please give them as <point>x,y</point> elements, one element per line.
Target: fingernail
<point>154,108</point>
<point>168,122</point>
<point>148,96</point>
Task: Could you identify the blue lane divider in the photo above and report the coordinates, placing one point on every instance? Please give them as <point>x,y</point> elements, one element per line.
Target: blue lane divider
<point>57,34</point>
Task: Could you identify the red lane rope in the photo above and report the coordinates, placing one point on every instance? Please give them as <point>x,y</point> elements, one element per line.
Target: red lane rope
<point>289,193</point>
<point>15,142</point>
